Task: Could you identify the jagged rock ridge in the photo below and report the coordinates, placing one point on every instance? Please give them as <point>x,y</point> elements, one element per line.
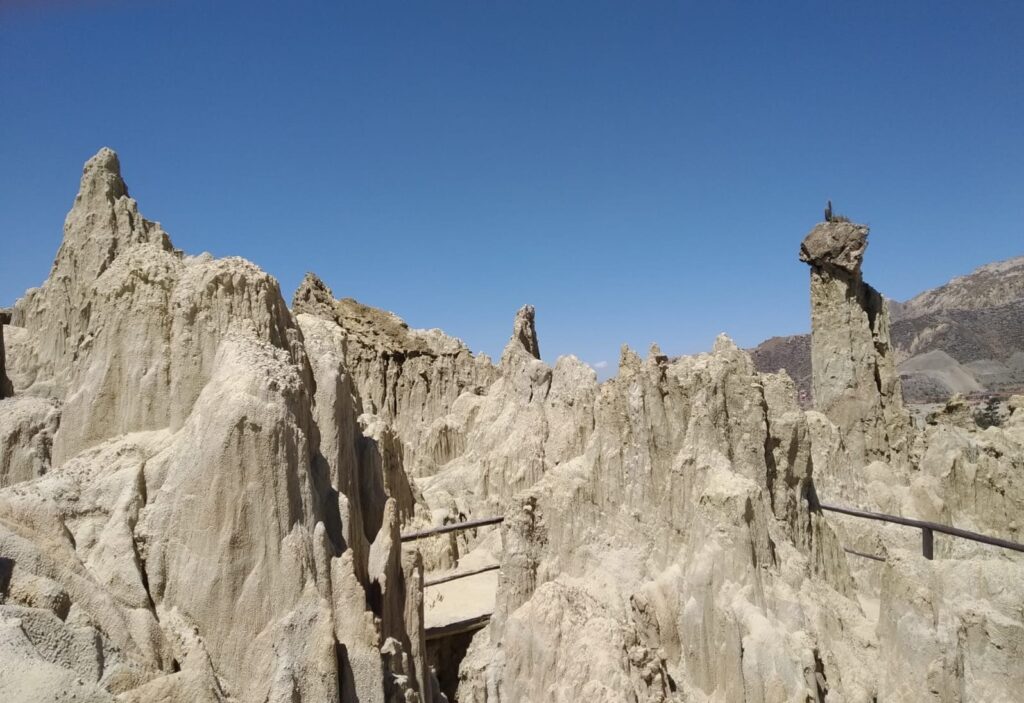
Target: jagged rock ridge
<point>182,520</point>
<point>208,489</point>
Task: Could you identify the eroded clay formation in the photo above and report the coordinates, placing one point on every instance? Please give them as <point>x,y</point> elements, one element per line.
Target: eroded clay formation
<point>202,494</point>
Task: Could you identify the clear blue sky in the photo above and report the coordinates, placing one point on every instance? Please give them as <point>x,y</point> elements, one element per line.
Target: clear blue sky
<point>638,171</point>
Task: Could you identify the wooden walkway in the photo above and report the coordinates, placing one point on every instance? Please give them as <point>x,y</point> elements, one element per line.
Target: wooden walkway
<point>475,620</point>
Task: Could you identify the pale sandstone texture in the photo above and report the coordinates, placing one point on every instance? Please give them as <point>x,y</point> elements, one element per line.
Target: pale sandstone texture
<point>948,630</point>
<point>681,487</point>
<point>854,374</point>
<point>171,530</point>
<point>202,495</point>
<point>675,553</point>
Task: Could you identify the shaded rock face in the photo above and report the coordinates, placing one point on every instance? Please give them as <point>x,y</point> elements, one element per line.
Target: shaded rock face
<point>6,388</point>
<point>854,374</point>
<point>171,529</point>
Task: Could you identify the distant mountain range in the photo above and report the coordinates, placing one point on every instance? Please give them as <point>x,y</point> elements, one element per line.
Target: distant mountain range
<point>966,336</point>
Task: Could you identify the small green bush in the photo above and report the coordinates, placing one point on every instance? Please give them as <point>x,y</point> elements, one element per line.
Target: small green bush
<point>988,415</point>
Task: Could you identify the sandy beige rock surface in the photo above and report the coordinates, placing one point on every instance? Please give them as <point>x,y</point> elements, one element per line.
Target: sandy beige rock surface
<point>203,492</point>
<point>171,504</point>
<point>854,371</point>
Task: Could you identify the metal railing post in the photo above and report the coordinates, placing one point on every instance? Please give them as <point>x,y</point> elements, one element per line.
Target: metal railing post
<point>928,530</point>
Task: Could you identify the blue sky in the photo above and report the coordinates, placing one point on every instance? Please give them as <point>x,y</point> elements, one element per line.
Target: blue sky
<point>638,171</point>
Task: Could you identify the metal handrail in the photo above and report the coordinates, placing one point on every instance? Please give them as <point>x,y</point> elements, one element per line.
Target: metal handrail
<point>927,530</point>
<point>452,527</point>
<point>460,575</point>
<point>862,554</point>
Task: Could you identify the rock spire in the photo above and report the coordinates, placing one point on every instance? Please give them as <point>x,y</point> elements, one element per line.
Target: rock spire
<point>524,333</point>
<point>854,373</point>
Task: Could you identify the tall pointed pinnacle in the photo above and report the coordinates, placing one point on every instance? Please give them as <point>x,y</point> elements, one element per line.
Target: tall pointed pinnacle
<point>524,331</point>
<point>101,178</point>
<point>522,346</point>
<point>103,222</point>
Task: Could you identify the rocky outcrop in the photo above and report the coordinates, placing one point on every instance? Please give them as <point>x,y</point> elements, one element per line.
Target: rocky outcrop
<point>531,419</point>
<point>975,322</point>
<point>691,497</point>
<point>948,628</point>
<point>126,329</point>
<point>854,374</point>
<point>524,331</point>
<point>790,354</point>
<point>407,378</point>
<point>27,428</point>
<point>469,434</point>
<point>202,496</point>
<point>951,630</point>
<point>870,456</point>
<point>186,539</point>
<point>652,564</point>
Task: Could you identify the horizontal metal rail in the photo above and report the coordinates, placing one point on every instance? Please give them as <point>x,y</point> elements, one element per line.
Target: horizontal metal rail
<point>451,527</point>
<point>862,554</point>
<point>460,575</point>
<point>927,530</point>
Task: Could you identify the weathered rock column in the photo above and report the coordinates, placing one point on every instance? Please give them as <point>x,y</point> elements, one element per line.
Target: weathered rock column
<point>5,385</point>
<point>853,371</point>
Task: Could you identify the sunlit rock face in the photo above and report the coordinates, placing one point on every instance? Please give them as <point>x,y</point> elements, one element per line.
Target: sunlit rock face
<point>949,470</point>
<point>951,629</point>
<point>407,378</point>
<point>678,555</point>
<point>171,529</point>
<point>202,495</point>
<point>937,632</point>
<point>854,371</point>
